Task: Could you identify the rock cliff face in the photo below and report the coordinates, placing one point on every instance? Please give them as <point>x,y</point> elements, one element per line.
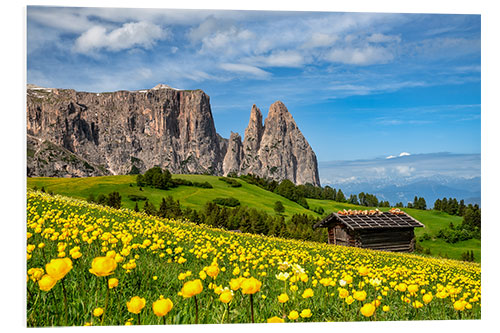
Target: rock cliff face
<point>74,134</point>
<point>278,150</point>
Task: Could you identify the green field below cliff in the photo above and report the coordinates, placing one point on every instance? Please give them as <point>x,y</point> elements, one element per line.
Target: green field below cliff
<point>248,195</point>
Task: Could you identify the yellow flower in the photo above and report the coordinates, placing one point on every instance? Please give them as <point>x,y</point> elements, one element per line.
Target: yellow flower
<point>58,268</point>
<point>283,298</point>
<point>36,273</point>
<point>250,286</point>
<point>235,284</point>
<point>191,288</point>
<point>412,288</point>
<point>459,305</point>
<point>348,279</point>
<point>427,298</point>
<point>401,287</point>
<point>349,300</point>
<point>293,315</point>
<point>308,293</point>
<point>275,320</point>
<point>46,282</point>
<point>213,271</point>
<point>203,275</point>
<point>306,313</point>
<point>162,306</point>
<point>98,312</point>
<point>417,304</point>
<point>386,308</point>
<point>359,295</point>
<point>112,283</point>
<point>343,293</point>
<point>136,304</point>
<point>367,310</point>
<point>226,296</point>
<point>103,266</point>
<point>303,277</point>
<point>363,271</point>
<point>76,255</point>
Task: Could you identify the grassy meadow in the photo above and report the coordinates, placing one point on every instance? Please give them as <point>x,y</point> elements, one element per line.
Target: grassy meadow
<point>95,265</point>
<point>249,195</point>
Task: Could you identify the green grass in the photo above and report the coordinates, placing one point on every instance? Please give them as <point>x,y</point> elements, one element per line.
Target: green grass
<point>188,196</point>
<point>433,221</point>
<point>150,264</point>
<point>249,195</point>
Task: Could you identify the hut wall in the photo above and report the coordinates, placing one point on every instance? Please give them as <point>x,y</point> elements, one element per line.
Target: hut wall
<point>397,240</point>
<point>338,234</point>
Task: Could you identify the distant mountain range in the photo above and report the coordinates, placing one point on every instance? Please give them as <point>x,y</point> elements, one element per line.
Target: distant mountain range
<point>400,179</point>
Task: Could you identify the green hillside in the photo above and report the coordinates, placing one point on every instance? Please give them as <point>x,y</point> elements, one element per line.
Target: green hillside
<point>188,196</point>
<point>249,195</point>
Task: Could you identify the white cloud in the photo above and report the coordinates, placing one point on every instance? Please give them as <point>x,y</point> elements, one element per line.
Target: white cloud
<point>381,38</point>
<point>405,170</point>
<point>245,69</point>
<point>362,56</point>
<point>320,40</point>
<point>230,42</point>
<point>143,34</point>
<point>390,156</point>
<point>278,59</point>
<point>404,154</point>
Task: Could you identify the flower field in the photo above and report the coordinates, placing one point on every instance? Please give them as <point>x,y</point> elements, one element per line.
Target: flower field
<point>94,265</point>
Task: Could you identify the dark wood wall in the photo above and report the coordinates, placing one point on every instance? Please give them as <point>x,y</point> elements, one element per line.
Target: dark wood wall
<point>396,240</point>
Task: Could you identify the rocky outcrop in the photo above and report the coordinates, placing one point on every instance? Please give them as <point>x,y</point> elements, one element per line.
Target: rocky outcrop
<point>277,149</point>
<point>162,126</point>
<point>90,134</point>
<point>50,160</point>
<point>234,155</point>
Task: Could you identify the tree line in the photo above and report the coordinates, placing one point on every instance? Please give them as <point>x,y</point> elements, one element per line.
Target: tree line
<point>450,206</point>
<point>162,179</point>
<point>299,193</point>
<point>239,218</point>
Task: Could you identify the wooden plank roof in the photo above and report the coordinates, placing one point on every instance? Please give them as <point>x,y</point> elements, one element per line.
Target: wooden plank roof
<point>372,221</point>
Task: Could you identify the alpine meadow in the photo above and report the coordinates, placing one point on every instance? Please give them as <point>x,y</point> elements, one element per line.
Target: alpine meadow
<point>199,166</point>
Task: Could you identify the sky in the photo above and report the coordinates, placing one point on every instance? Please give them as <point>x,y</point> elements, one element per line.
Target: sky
<point>405,168</point>
<point>359,85</point>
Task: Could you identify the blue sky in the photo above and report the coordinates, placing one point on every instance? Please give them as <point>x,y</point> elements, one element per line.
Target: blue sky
<point>359,85</point>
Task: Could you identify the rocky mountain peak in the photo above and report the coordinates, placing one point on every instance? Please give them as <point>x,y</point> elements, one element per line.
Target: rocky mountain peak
<point>162,86</point>
<point>78,134</point>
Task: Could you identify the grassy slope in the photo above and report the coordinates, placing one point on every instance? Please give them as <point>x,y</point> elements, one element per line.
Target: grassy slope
<point>249,195</point>
<point>433,221</point>
<point>193,197</point>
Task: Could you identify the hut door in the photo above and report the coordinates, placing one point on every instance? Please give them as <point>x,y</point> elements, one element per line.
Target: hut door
<point>340,235</point>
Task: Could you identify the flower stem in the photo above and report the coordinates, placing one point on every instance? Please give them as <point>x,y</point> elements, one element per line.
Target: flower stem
<point>196,307</point>
<point>65,304</point>
<point>251,306</point>
<point>106,302</point>
<point>138,319</point>
<point>164,320</point>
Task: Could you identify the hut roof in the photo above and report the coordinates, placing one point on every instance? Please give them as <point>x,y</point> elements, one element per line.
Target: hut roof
<point>381,220</point>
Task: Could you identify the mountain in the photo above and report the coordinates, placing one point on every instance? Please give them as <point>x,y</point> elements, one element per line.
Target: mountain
<point>430,189</point>
<point>74,134</point>
<point>395,179</point>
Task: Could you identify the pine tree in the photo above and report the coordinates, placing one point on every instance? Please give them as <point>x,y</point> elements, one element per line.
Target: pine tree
<point>437,204</point>
<point>162,211</point>
<point>279,208</point>
<point>340,196</point>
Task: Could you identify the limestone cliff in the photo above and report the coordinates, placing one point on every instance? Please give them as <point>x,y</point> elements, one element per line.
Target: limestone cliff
<point>77,134</point>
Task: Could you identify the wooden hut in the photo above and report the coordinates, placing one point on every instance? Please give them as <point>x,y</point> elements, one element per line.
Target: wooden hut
<point>387,231</point>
